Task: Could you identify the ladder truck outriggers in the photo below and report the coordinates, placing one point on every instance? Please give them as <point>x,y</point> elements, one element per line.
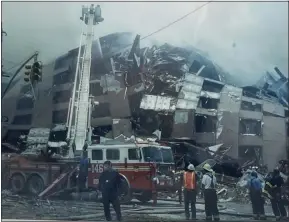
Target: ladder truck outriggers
<point>146,167</point>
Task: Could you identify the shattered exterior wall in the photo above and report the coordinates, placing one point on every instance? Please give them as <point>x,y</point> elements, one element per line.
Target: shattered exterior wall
<point>228,118</point>
<point>274,141</point>
<point>141,91</point>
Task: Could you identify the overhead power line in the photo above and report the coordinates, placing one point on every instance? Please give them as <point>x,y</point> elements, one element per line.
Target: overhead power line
<point>168,25</point>
<point>179,19</point>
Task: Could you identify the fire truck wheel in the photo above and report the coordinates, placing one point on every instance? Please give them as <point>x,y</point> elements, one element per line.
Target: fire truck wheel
<point>125,194</point>
<point>17,182</point>
<point>145,197</point>
<point>35,184</point>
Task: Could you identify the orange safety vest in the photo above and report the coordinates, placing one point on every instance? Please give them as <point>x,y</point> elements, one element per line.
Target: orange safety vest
<point>190,180</point>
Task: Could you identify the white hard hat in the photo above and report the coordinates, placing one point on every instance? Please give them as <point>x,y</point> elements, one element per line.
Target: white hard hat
<point>207,167</point>
<point>191,167</point>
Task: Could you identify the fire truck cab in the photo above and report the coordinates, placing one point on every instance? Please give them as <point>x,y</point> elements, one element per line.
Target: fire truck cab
<point>146,168</point>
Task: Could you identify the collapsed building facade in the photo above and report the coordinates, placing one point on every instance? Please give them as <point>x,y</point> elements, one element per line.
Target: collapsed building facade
<point>171,92</point>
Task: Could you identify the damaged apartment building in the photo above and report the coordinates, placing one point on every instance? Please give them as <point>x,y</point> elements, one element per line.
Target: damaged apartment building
<point>164,91</point>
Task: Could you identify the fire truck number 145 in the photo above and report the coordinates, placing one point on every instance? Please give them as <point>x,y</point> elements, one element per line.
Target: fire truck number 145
<point>97,168</point>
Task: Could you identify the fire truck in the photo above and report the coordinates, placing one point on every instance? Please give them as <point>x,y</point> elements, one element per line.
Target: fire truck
<point>146,168</point>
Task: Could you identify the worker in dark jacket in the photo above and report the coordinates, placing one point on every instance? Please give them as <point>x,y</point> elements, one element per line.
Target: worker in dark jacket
<point>273,186</point>
<point>189,181</point>
<point>109,184</point>
<point>255,191</point>
<point>209,183</point>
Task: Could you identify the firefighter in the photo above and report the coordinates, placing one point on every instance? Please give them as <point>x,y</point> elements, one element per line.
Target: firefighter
<point>273,187</point>
<point>189,180</point>
<point>83,172</point>
<point>109,184</point>
<point>209,182</point>
<point>255,191</point>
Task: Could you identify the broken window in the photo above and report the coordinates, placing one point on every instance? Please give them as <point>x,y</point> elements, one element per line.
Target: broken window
<point>208,103</point>
<point>95,89</point>
<point>205,123</point>
<point>251,106</point>
<point>59,116</point>
<point>133,154</point>
<point>250,126</point>
<point>13,136</point>
<point>61,62</point>
<point>195,67</point>
<point>101,110</point>
<point>61,96</point>
<point>25,103</point>
<point>62,78</point>
<point>251,154</point>
<point>212,86</point>
<point>112,154</point>
<point>22,119</point>
<point>96,155</point>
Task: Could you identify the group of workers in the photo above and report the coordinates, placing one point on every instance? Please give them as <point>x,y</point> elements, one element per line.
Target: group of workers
<point>190,183</point>
<point>271,190</point>
<point>110,183</point>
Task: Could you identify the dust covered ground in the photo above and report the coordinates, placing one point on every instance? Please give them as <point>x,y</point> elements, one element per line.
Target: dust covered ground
<point>22,207</point>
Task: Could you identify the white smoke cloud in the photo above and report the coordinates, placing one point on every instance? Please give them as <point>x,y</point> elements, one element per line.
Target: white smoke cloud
<point>245,38</point>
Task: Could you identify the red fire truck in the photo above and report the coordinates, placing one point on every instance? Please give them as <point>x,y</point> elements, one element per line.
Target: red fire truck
<point>146,168</point>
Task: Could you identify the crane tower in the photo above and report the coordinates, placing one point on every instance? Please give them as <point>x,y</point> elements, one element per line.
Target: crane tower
<point>78,121</point>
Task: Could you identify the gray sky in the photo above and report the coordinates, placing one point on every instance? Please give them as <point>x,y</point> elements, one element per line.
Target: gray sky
<point>259,30</point>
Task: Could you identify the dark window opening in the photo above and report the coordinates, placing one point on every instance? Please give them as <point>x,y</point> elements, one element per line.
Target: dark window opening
<point>61,62</point>
<point>96,155</point>
<point>211,86</point>
<point>208,103</point>
<point>251,106</point>
<point>102,110</point>
<point>58,136</point>
<point>59,117</point>
<point>14,136</point>
<point>251,154</point>
<point>251,91</point>
<point>250,126</point>
<point>287,129</point>
<point>101,131</point>
<point>61,96</point>
<point>22,119</point>
<point>195,67</point>
<point>95,89</point>
<point>112,154</point>
<point>205,123</point>
<point>133,154</point>
<point>25,103</point>
<point>62,78</point>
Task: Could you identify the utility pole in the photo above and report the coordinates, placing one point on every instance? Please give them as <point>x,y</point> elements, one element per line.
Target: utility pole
<point>17,71</point>
<point>78,121</point>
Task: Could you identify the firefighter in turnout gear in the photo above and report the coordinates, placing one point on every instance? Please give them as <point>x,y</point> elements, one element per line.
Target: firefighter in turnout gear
<point>190,191</point>
<point>273,188</point>
<point>209,182</point>
<point>109,184</point>
<point>255,192</point>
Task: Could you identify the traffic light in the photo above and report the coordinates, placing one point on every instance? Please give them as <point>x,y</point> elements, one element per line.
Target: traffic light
<point>27,73</point>
<point>37,71</point>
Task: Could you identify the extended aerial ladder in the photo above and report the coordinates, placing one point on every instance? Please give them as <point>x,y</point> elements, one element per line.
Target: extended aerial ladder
<point>78,121</point>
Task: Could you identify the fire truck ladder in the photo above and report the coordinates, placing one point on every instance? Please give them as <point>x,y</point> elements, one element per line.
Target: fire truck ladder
<point>78,133</point>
